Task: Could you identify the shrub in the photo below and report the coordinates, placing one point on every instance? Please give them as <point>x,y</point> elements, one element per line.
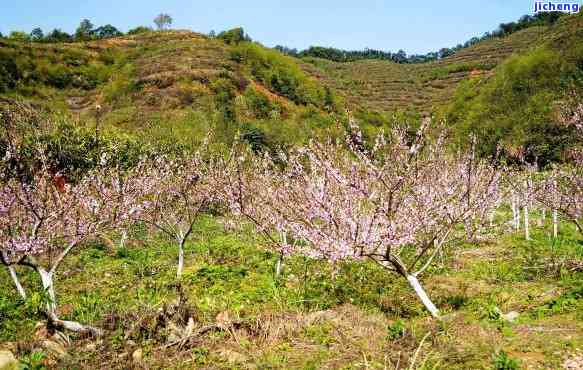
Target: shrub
<point>10,74</point>
<point>280,74</point>
<point>58,76</point>
<point>259,104</point>
<point>234,36</point>
<point>501,361</point>
<point>139,30</point>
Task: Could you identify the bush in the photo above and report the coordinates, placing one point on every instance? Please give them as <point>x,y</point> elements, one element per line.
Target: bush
<point>501,361</point>
<point>259,104</point>
<point>234,36</point>
<point>58,76</point>
<point>139,30</point>
<point>10,74</point>
<point>280,74</point>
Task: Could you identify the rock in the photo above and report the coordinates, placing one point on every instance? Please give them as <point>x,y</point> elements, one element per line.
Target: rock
<point>232,356</point>
<point>510,316</point>
<point>91,347</point>
<point>9,346</point>
<point>138,355</point>
<point>449,317</point>
<point>55,348</point>
<point>8,361</point>
<point>41,331</point>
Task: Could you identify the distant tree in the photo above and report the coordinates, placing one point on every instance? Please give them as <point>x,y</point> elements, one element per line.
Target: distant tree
<point>400,56</point>
<point>286,50</point>
<point>212,34</point>
<point>234,36</point>
<point>163,21</point>
<point>1,35</point>
<point>139,29</point>
<point>107,31</point>
<point>57,35</point>
<point>37,35</point>
<point>445,52</point>
<point>84,31</point>
<point>19,36</point>
<point>508,28</point>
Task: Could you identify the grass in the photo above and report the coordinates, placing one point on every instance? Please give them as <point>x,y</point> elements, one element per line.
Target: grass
<point>349,316</point>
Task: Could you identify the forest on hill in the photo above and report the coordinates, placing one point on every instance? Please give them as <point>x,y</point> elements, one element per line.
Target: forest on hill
<point>172,199</point>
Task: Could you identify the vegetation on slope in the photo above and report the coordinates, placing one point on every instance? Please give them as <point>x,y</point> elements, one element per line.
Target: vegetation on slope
<point>518,106</point>
<point>385,86</point>
<point>172,86</point>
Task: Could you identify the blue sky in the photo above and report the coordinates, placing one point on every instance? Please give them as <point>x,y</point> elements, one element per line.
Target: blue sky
<point>415,26</point>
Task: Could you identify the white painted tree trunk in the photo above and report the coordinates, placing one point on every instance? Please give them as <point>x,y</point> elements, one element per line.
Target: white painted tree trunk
<point>279,265</point>
<point>526,224</point>
<point>544,215</point>
<point>73,326</point>
<point>46,278</point>
<point>16,281</point>
<point>122,240</point>
<point>180,257</point>
<point>515,213</point>
<point>555,224</point>
<point>414,283</point>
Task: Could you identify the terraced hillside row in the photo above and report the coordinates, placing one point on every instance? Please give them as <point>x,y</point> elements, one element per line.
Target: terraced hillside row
<point>387,86</point>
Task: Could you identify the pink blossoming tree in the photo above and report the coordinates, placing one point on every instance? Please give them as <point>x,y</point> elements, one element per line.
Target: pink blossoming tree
<point>181,191</point>
<point>42,220</point>
<point>397,204</point>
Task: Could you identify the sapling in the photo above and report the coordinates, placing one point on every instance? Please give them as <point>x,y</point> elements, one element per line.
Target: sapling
<point>183,189</point>
<point>42,223</point>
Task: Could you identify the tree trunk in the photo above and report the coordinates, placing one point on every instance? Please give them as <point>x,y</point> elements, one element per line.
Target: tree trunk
<point>180,257</point>
<point>279,265</point>
<point>49,287</point>
<point>122,240</point>
<point>514,213</point>
<point>414,283</point>
<point>578,225</point>
<point>73,326</point>
<point>526,223</point>
<point>555,224</point>
<point>16,281</point>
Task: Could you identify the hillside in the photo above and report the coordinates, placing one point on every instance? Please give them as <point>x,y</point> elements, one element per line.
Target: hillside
<point>523,109</point>
<point>175,84</point>
<point>387,86</point>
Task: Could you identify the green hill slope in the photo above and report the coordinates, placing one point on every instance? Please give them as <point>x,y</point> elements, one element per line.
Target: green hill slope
<point>174,84</point>
<point>526,104</point>
<point>387,86</point>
